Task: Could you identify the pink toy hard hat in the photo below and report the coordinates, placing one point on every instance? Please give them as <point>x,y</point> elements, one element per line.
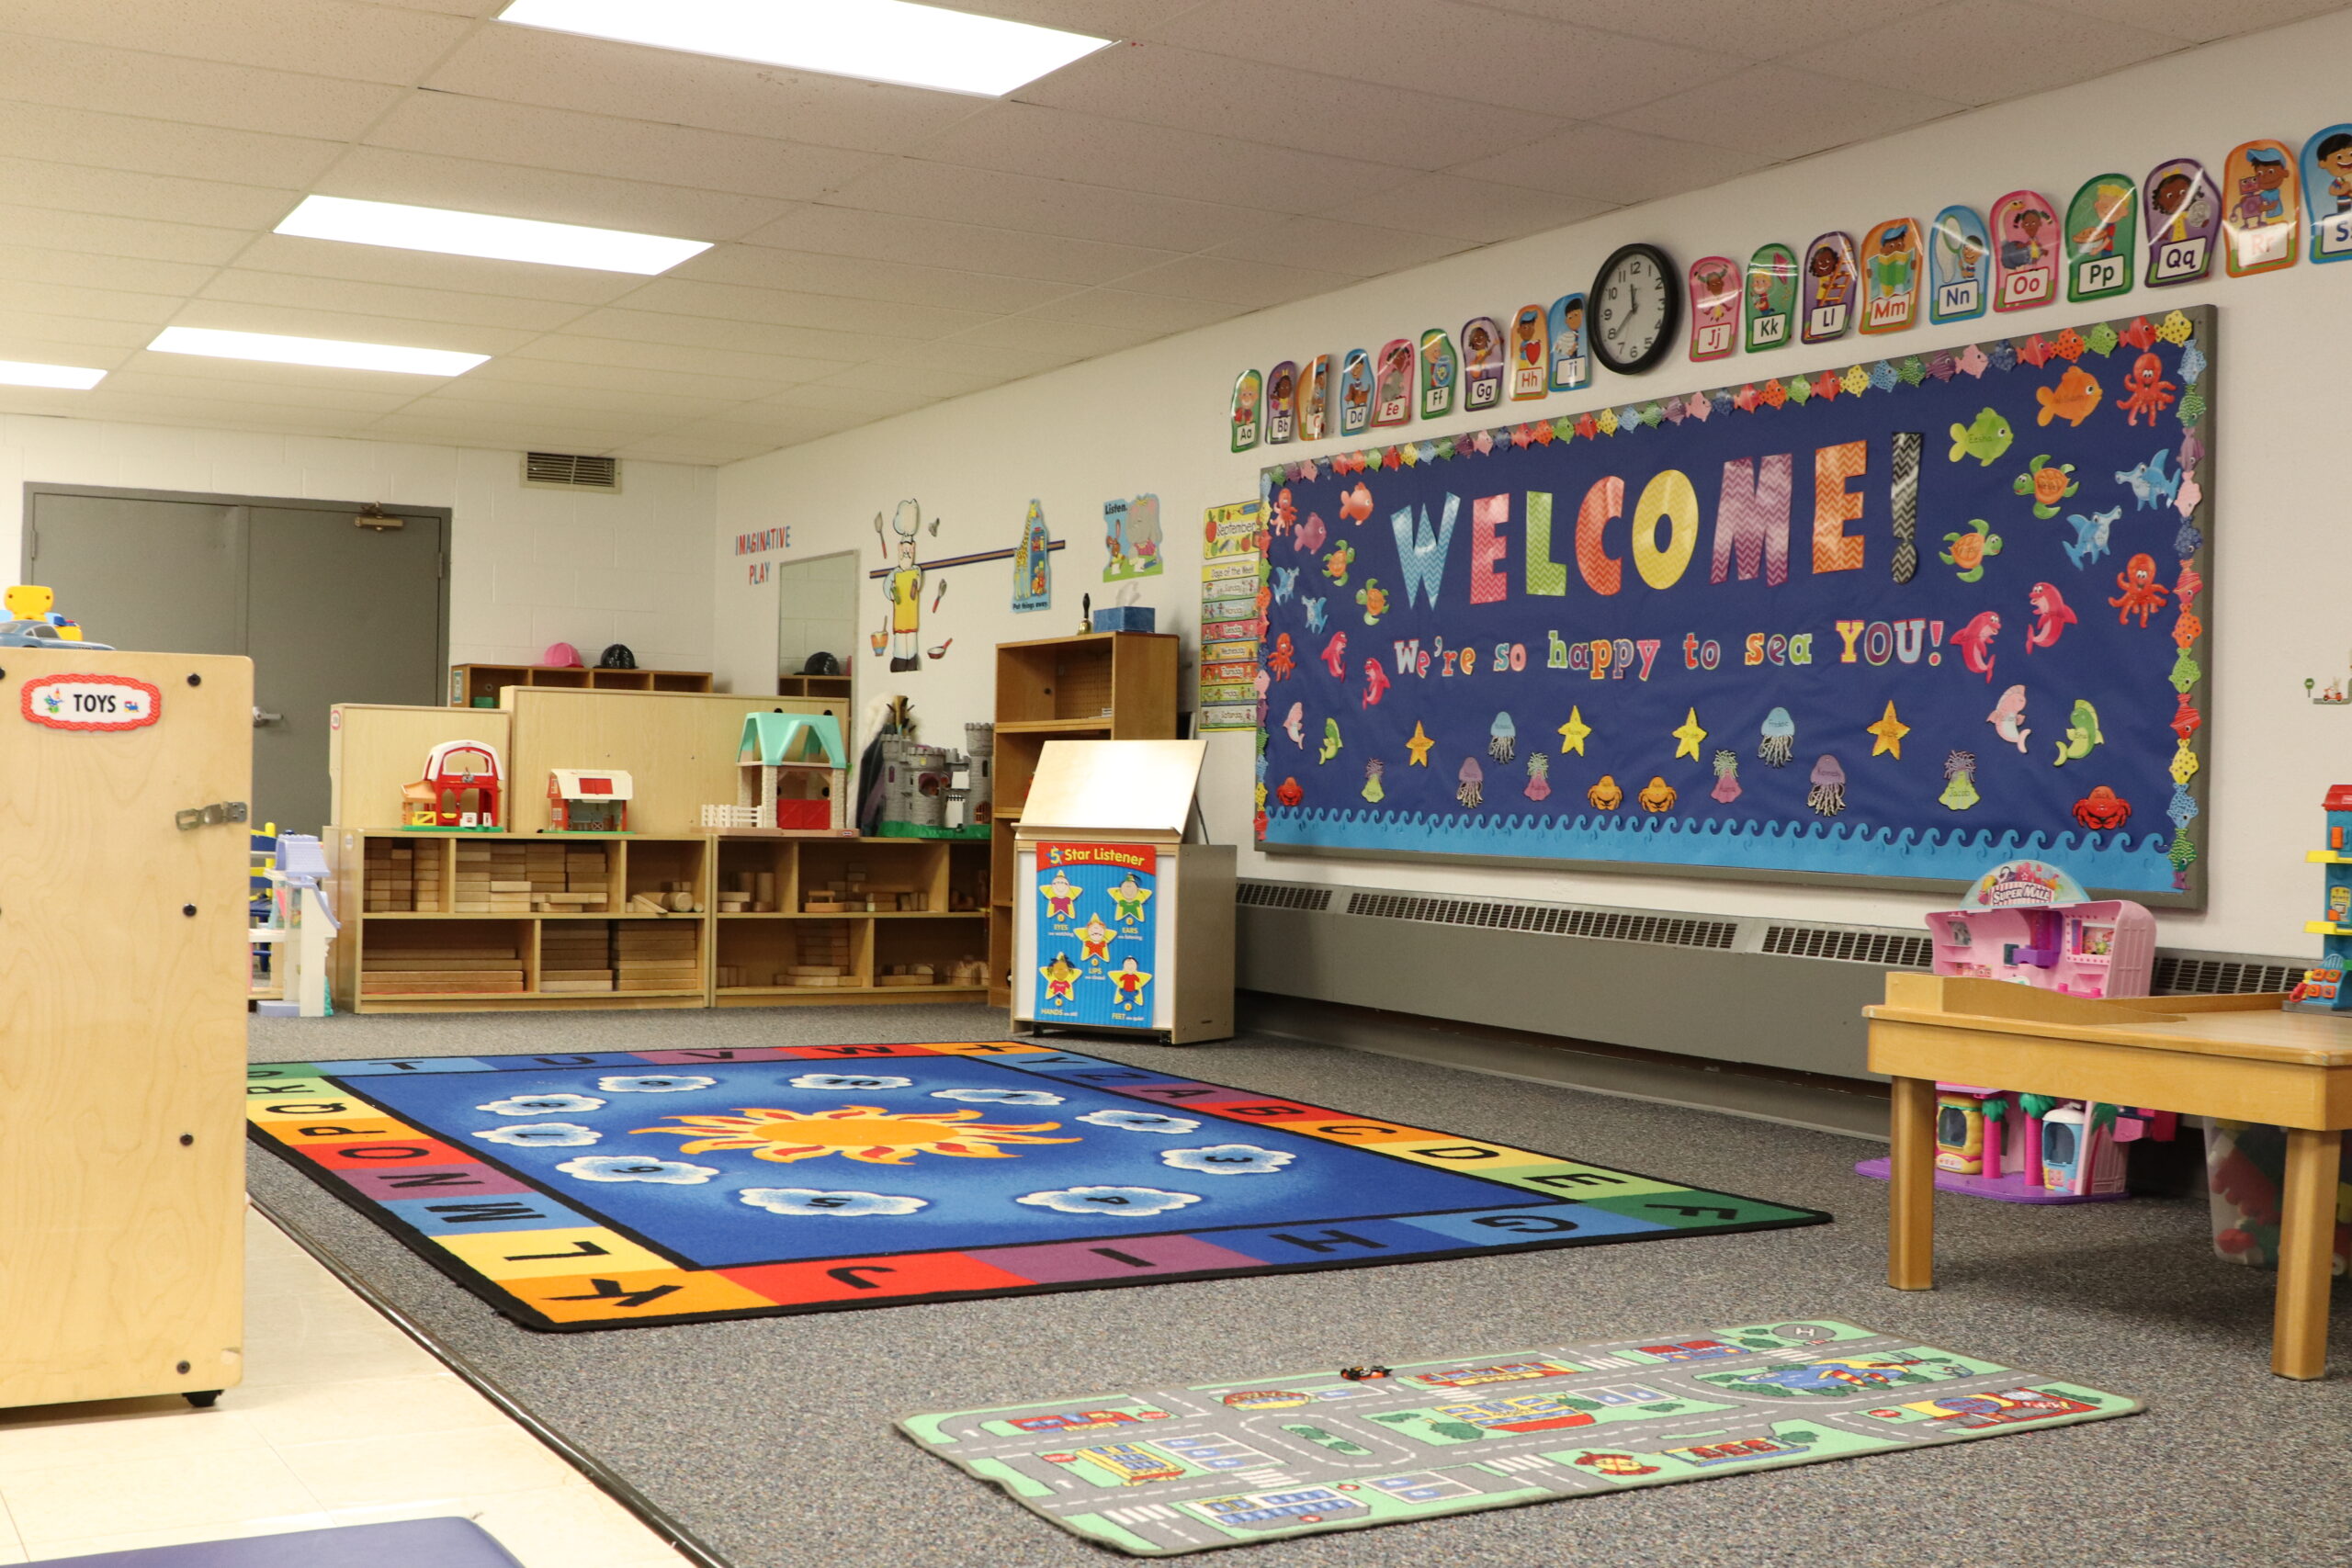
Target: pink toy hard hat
<point>560,656</point>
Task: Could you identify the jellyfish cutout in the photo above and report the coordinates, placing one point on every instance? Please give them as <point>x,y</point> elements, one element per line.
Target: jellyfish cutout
<point>1828,795</point>
<point>1960,781</point>
<point>1539,776</point>
<point>1372,768</point>
<point>1470,789</point>
<point>1727,777</point>
<point>1779,744</point>
<point>1502,738</point>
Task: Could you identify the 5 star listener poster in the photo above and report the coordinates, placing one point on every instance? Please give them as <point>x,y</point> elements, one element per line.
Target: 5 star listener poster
<point>1878,625</point>
<point>1097,933</point>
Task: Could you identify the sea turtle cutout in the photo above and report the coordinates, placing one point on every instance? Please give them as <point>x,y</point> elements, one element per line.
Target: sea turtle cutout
<point>1968,550</point>
<point>2049,483</point>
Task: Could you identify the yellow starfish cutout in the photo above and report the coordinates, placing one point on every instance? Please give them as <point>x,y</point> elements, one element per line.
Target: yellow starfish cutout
<point>1572,733</point>
<point>1687,737</point>
<point>1890,731</point>
<point>1419,746</point>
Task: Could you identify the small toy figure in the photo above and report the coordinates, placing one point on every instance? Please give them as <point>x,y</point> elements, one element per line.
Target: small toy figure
<point>32,621</point>
<point>1372,1374</point>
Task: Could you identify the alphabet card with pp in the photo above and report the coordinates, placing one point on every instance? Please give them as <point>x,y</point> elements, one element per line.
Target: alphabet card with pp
<point>598,1190</point>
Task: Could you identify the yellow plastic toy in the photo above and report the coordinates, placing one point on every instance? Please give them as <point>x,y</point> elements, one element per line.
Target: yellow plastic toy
<point>29,601</point>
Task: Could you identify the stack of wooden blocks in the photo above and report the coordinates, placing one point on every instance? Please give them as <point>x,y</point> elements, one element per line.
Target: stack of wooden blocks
<point>576,955</point>
<point>478,968</point>
<point>753,894</point>
<point>908,974</point>
<point>401,878</point>
<point>670,898</point>
<point>821,951</point>
<point>855,895</point>
<point>650,957</point>
<point>493,879</point>
<point>568,879</point>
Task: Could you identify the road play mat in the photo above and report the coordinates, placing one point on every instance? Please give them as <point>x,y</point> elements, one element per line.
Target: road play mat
<point>1224,1464</point>
<point>593,1191</point>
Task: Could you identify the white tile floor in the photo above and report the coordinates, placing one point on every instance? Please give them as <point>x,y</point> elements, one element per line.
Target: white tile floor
<point>279,1452</point>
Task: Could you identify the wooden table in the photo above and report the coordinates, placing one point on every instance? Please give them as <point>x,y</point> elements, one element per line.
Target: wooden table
<point>2238,1058</point>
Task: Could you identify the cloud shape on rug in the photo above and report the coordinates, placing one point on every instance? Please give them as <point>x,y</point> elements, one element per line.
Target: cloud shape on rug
<point>653,1083</point>
<point>541,1136</point>
<point>801,1201</point>
<point>1228,1159</point>
<point>630,1168</point>
<point>1127,1202</point>
<point>999,1096</point>
<point>541,1104</point>
<point>1141,1121</point>
<point>848,1080</point>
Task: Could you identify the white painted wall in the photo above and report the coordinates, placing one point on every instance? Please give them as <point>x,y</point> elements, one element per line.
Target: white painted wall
<point>528,566</point>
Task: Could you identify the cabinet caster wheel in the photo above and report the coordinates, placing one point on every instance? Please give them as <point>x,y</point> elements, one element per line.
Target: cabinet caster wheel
<point>204,1401</point>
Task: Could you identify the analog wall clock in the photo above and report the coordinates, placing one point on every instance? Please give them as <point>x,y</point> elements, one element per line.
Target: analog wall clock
<point>1635,309</point>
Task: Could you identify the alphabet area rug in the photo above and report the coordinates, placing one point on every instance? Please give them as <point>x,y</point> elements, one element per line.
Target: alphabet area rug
<point>610,1190</point>
<point>1172,1470</point>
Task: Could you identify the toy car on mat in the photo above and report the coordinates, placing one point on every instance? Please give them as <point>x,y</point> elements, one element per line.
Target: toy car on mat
<point>40,634</point>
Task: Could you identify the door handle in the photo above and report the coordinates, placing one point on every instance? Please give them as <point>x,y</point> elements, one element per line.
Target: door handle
<point>261,718</point>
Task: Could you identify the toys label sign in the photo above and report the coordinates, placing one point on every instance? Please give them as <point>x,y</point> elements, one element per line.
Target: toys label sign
<point>91,704</point>
<point>1097,934</point>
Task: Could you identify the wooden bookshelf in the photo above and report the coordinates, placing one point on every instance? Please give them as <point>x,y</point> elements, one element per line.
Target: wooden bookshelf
<point>901,903</point>
<point>834,687</point>
<point>1093,686</point>
<point>479,685</point>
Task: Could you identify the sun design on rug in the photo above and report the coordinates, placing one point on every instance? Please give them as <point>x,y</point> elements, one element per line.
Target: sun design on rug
<point>864,1133</point>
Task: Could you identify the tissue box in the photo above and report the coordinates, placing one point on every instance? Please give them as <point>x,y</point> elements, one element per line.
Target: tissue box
<point>1126,618</point>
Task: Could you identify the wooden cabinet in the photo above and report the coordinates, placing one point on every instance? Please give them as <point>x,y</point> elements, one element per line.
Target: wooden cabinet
<point>884,910</point>
<point>123,960</point>
<point>481,686</point>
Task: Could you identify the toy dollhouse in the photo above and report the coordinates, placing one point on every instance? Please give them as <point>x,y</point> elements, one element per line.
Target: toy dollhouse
<point>2030,923</point>
<point>792,776</point>
<point>582,800</point>
<point>2323,988</point>
<point>460,789</point>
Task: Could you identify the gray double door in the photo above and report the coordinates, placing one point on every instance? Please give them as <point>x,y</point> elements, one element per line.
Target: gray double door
<point>328,611</point>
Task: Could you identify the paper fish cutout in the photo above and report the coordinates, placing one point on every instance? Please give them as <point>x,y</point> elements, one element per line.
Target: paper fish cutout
<point>2102,235</point>
<point>1295,724</point>
<point>1892,267</point>
<point>2007,718</point>
<point>2090,535</point>
<point>1571,369</point>
<point>1482,363</point>
<point>1714,308</point>
<point>1828,284</point>
<point>1527,354</point>
<point>1959,263</point>
<point>2261,210</point>
<point>1355,505</point>
<point>1771,296</point>
<point>2071,400</point>
<point>2025,251</point>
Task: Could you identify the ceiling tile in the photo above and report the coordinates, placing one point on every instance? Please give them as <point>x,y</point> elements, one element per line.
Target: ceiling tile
<point>427,179</point>
<point>704,332</point>
<point>36,340</point>
<point>1095,18</point>
<point>630,404</point>
<point>912,187</point>
<point>2199,19</point>
<point>607,424</point>
<point>229,315</point>
<point>161,146</point>
<point>1742,28</point>
<point>388,300</point>
<point>1035,334</point>
<point>1979,51</point>
<point>708,453</point>
<point>421,269</point>
<point>534,66</point>
<point>70,188</point>
<point>323,37</point>
<point>1488,57</point>
<point>959,357</point>
<point>831,312</point>
<point>118,81</point>
<point>119,236</point>
<point>1613,164</point>
<point>1235,280</point>
<point>921,375</point>
<point>550,433</point>
<point>903,237</point>
<point>93,304</point>
<point>1282,106</point>
<point>214,411</point>
<point>1158,160</point>
<point>773,372</point>
<point>1476,210</point>
<point>236,388</point>
<point>196,371</point>
<point>464,127</point>
<point>774,425</point>
<point>858,278</point>
<point>82,269</point>
<point>1785,112</point>
<point>90,331</point>
<point>874,402</point>
<point>561,379</point>
<point>1354,250</point>
<point>1148,312</point>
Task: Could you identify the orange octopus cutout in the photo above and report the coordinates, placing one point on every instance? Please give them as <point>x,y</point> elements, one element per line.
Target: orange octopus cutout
<point>2145,390</point>
<point>866,1133</point>
<point>2142,594</point>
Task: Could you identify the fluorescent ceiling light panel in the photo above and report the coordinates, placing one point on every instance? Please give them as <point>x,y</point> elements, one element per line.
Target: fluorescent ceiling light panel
<point>276,350</point>
<point>481,235</point>
<point>876,40</point>
<point>70,378</point>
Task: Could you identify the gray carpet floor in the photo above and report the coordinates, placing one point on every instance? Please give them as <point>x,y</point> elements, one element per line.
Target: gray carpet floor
<point>771,1438</point>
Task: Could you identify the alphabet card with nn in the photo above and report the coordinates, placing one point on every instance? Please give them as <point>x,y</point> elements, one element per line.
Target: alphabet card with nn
<point>604,1189</point>
<point>1868,623</point>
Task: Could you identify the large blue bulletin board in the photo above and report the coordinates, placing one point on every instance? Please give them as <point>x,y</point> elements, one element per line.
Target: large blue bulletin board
<point>1880,625</point>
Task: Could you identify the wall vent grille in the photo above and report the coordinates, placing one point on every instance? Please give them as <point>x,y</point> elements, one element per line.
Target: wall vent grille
<point>1283,895</point>
<point>2175,976</point>
<point>567,470</point>
<point>1882,950</point>
<point>1551,920</point>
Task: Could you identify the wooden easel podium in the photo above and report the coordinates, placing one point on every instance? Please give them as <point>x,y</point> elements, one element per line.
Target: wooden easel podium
<point>1123,917</point>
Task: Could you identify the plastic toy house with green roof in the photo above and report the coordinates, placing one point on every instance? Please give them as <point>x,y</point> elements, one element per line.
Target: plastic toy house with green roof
<point>792,776</point>
<point>2324,988</point>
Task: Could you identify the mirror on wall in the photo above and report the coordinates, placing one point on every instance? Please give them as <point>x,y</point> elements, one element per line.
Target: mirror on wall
<point>815,621</point>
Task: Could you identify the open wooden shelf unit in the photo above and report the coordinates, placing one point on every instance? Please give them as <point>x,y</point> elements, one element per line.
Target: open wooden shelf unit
<point>944,884</point>
<point>480,685</point>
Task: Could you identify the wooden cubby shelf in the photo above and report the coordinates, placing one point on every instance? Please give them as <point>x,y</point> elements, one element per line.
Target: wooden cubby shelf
<point>482,685</point>
<point>813,920</point>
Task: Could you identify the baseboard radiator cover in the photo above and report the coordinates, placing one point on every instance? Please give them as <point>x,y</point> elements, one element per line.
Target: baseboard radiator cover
<point>1770,991</point>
